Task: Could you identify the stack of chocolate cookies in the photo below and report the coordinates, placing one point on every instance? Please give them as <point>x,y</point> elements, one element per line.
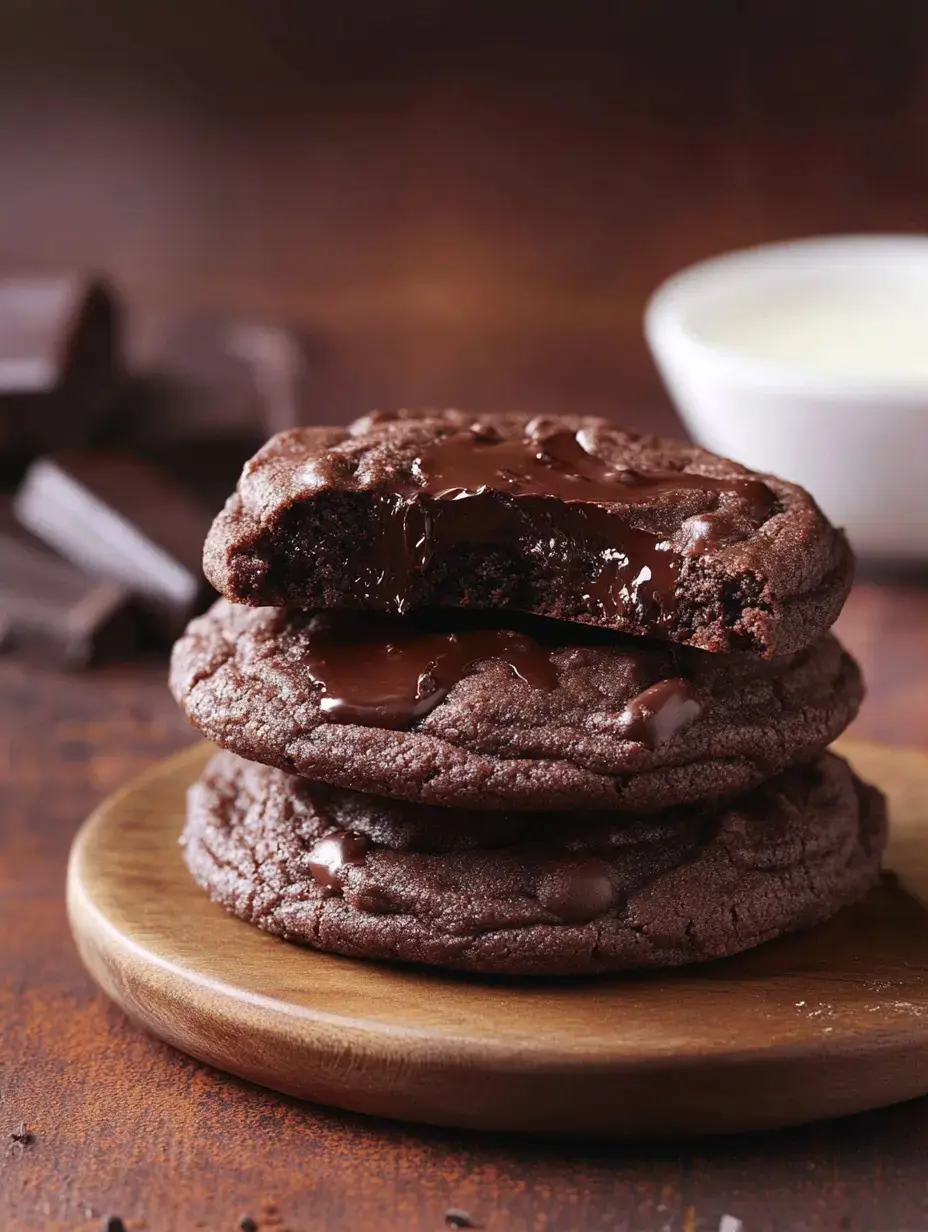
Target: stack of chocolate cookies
<point>522,696</point>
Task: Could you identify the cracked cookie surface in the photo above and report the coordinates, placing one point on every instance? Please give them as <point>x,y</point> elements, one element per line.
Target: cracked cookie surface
<point>544,895</point>
<point>496,742</point>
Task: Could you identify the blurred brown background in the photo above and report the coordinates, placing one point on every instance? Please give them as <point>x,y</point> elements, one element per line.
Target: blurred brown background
<point>462,202</point>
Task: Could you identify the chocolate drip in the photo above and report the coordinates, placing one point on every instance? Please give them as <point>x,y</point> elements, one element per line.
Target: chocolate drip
<point>556,464</point>
<point>641,576</point>
<point>378,672</point>
<point>329,856</point>
<point>476,487</point>
<point>659,713</point>
<point>404,548</point>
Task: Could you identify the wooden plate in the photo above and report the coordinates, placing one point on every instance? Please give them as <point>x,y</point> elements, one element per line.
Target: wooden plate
<point>832,1022</point>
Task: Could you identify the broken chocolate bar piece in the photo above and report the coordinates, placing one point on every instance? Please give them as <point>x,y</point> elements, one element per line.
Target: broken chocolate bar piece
<point>60,363</point>
<point>51,611</point>
<point>562,516</point>
<point>116,517</point>
<point>219,376</point>
<point>207,466</point>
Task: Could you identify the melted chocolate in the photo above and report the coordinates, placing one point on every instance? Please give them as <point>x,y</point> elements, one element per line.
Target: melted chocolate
<point>378,672</point>
<point>329,856</point>
<point>483,488</point>
<point>707,531</point>
<point>641,576</point>
<point>659,713</point>
<point>556,464</point>
<point>577,891</point>
<point>405,543</point>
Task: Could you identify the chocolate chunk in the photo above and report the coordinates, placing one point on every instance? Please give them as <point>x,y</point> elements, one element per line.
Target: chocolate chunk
<point>218,376</point>
<point>52,612</point>
<point>328,857</point>
<point>118,518</point>
<point>656,715</point>
<point>60,363</point>
<point>707,531</point>
<point>576,891</point>
<point>567,517</point>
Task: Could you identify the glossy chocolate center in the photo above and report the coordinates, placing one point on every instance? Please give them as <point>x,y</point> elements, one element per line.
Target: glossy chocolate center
<point>556,464</point>
<point>475,487</point>
<point>379,672</point>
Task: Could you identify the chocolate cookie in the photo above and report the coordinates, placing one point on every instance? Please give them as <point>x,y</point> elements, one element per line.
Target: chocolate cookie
<point>539,716</point>
<point>555,895</point>
<point>565,517</point>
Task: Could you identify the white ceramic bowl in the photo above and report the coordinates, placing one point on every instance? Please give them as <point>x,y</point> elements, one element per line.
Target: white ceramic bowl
<point>850,428</point>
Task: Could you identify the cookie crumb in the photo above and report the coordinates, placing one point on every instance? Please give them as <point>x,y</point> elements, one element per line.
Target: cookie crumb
<point>20,1138</point>
<point>457,1219</point>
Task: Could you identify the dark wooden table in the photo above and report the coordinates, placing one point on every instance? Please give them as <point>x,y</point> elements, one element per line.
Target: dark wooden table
<point>119,1124</point>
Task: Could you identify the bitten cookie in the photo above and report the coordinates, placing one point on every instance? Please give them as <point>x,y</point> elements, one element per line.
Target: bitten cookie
<point>539,716</point>
<point>514,894</point>
<point>566,517</point>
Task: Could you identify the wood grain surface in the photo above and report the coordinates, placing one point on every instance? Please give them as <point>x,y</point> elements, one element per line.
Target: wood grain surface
<point>823,1024</point>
